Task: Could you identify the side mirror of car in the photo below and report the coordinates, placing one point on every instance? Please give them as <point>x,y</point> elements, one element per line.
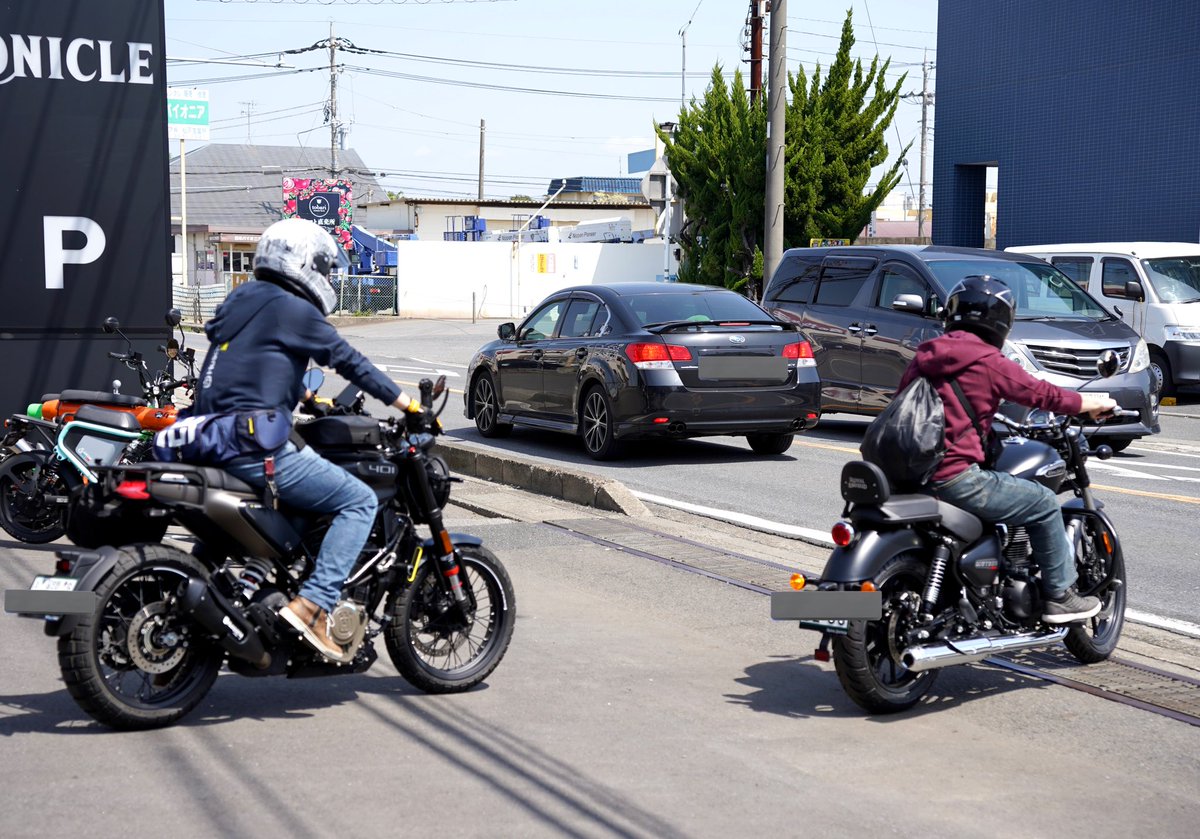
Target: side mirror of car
<point>909,303</point>
<point>1134,291</point>
<point>507,331</point>
<point>1107,363</point>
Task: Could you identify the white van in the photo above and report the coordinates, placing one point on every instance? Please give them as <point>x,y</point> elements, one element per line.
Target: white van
<point>1153,286</point>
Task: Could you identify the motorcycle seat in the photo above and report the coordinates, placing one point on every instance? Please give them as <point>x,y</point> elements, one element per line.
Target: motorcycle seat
<point>215,478</point>
<point>112,419</point>
<point>102,398</point>
<point>907,509</point>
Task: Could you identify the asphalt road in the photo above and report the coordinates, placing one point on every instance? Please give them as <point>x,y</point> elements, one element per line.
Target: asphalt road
<point>1152,490</point>
<point>635,701</point>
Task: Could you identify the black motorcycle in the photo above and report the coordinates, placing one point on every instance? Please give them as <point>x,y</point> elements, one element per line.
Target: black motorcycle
<point>916,584</point>
<point>143,629</point>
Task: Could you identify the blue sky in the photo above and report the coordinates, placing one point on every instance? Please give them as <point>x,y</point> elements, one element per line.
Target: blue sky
<point>415,113</point>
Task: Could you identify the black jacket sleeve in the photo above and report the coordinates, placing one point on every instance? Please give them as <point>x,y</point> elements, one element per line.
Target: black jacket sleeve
<point>316,337</point>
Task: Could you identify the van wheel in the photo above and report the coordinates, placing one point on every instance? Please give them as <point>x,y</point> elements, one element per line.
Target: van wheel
<point>1161,368</point>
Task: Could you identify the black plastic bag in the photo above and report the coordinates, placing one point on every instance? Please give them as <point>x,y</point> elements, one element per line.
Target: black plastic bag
<point>908,439</point>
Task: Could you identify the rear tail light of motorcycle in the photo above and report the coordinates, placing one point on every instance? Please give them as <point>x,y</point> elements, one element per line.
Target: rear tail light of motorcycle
<point>133,490</point>
<point>842,533</point>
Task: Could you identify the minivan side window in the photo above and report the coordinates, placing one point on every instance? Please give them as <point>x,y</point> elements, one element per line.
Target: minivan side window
<point>1114,274</point>
<point>794,281</point>
<point>841,278</point>
<point>895,280</point>
<point>1078,268</point>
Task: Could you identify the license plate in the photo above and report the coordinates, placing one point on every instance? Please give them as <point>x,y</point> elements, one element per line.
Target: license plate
<point>53,584</point>
<point>741,367</point>
<point>833,627</point>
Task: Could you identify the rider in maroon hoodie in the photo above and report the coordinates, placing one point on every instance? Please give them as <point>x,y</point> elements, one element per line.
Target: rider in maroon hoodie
<point>979,314</point>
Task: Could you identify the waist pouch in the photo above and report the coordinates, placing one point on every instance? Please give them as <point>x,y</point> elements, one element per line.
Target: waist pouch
<point>213,439</point>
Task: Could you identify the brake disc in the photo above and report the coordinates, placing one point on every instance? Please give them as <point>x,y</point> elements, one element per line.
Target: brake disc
<point>153,647</point>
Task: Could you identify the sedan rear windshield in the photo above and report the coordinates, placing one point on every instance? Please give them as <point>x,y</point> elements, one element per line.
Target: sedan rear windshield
<point>1176,279</point>
<point>1041,290</point>
<point>699,306</point>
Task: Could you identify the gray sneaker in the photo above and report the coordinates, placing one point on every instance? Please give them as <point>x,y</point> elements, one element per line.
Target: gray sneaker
<point>1069,607</point>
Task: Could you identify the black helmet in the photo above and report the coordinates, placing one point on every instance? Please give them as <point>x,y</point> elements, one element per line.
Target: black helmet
<point>983,305</point>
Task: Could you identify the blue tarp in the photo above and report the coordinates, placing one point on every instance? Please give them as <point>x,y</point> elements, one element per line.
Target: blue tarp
<point>374,254</point>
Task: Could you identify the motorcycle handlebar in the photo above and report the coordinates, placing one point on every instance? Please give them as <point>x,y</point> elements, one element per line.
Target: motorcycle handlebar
<point>117,356</point>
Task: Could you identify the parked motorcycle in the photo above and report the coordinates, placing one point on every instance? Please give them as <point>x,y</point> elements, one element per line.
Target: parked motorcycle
<point>47,453</point>
<point>916,584</point>
<point>143,629</point>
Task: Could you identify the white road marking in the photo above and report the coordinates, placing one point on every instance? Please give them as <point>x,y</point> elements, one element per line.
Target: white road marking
<point>821,537</point>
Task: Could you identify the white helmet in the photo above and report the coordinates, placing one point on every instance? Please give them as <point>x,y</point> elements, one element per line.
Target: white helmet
<point>298,255</point>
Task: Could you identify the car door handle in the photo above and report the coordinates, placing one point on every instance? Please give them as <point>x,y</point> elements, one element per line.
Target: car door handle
<point>581,352</point>
<point>537,355</point>
<point>870,329</point>
<point>854,328</point>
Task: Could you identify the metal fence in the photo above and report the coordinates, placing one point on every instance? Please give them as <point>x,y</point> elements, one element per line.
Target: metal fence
<point>197,303</point>
<point>369,294</point>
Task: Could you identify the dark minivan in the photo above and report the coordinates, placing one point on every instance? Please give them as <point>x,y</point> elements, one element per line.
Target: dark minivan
<point>866,308</point>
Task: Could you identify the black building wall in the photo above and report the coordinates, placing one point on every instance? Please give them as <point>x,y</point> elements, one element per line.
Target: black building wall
<point>1090,109</point>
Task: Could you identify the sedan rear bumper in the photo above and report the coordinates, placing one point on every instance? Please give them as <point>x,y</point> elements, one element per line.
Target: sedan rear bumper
<point>680,412</point>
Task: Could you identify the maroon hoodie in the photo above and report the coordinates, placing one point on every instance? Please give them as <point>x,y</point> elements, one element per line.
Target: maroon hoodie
<point>986,378</point>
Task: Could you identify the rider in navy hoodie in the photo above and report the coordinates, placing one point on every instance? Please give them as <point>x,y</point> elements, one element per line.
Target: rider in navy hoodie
<point>261,340</point>
<point>979,315</point>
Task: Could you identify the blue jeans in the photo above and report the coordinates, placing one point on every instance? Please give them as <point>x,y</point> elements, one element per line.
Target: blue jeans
<point>306,481</point>
<point>1000,497</point>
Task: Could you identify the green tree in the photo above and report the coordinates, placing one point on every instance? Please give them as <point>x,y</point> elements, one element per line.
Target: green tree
<point>716,158</point>
<point>835,137</point>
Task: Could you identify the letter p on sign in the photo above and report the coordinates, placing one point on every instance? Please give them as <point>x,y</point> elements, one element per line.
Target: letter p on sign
<point>57,256</point>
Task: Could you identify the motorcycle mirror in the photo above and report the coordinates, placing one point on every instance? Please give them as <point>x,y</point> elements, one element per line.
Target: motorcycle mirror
<point>111,325</point>
<point>172,350</point>
<point>439,386</point>
<point>174,316</point>
<point>1107,364</point>
<point>314,377</point>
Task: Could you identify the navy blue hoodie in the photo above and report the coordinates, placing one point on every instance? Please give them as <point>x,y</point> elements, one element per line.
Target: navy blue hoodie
<point>986,378</point>
<point>262,338</point>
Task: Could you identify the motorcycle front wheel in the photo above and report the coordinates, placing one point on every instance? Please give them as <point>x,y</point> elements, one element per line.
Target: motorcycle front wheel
<point>431,644</point>
<point>136,662</point>
<point>1097,553</point>
<point>868,659</point>
<point>25,512</point>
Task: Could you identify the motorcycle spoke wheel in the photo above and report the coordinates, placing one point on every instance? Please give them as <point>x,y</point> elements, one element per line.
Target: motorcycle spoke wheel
<point>136,662</point>
<point>868,659</point>
<point>1096,555</point>
<point>431,644</point>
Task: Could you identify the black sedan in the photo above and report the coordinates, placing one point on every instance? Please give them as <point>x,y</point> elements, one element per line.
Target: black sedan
<point>627,360</point>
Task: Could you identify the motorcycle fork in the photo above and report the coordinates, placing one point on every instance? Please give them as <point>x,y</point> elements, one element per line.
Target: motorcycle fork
<point>449,570</point>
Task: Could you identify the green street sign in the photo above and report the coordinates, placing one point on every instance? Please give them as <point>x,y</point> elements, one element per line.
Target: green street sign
<point>187,114</point>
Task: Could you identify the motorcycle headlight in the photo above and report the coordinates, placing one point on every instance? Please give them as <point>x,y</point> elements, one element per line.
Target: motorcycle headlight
<point>1141,357</point>
<point>1181,333</point>
<point>1014,352</point>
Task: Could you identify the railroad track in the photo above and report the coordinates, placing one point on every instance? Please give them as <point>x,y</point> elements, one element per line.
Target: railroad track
<point>1133,684</point>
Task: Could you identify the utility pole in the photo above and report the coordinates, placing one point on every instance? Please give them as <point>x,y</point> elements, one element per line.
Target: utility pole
<point>333,120</point>
<point>482,131</point>
<point>926,100</point>
<point>756,43</point>
<point>776,113</point>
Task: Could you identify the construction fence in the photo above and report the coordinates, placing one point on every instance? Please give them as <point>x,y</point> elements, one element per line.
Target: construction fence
<point>356,295</point>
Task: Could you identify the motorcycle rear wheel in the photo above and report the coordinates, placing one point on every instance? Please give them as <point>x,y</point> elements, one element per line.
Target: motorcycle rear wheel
<point>24,513</point>
<point>134,663</point>
<point>1096,639</point>
<point>868,657</point>
<point>428,642</point>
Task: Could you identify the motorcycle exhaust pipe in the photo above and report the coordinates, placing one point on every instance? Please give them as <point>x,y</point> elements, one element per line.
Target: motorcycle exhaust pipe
<point>209,608</point>
<point>933,656</point>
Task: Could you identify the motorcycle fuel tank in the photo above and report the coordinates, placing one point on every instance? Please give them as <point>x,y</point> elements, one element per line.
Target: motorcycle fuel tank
<point>1031,460</point>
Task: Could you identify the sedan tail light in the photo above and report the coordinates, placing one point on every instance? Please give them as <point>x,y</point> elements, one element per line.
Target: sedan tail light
<point>656,356</point>
<point>802,352</point>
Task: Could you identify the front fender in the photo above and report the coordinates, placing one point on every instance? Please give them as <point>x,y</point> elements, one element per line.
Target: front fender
<point>866,556</point>
<point>456,539</point>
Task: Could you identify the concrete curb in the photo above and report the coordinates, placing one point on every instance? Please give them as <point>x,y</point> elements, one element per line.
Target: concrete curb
<point>535,477</point>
